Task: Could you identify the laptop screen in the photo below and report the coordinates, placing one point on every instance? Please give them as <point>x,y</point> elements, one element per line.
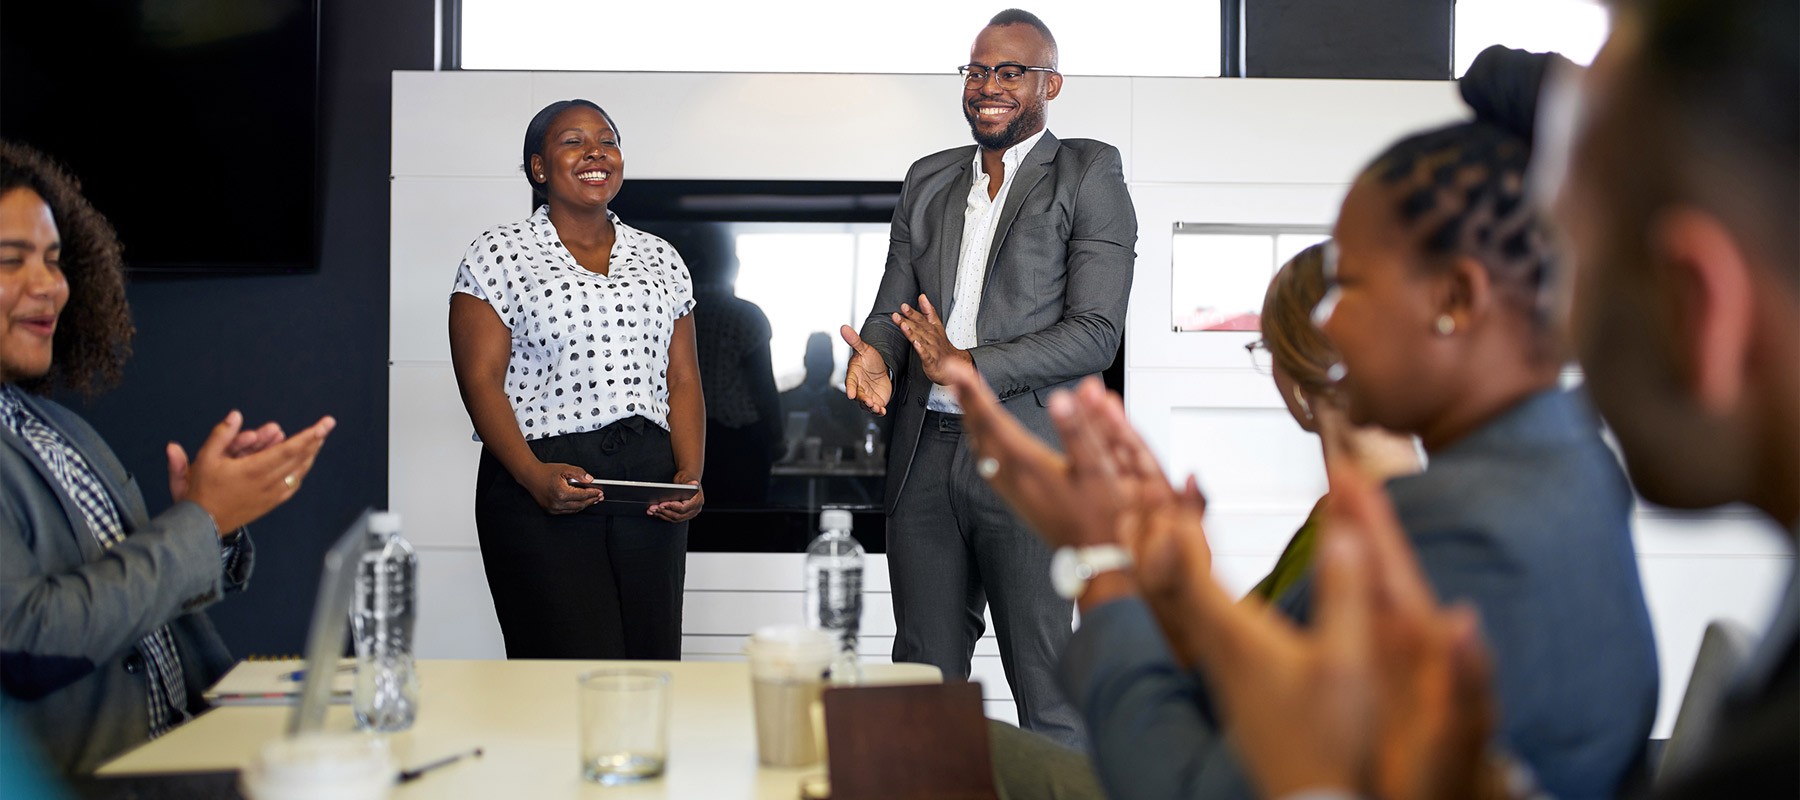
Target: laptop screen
<point>330,619</point>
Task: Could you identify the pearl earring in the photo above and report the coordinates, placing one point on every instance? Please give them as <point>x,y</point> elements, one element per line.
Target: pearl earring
<point>1446,325</point>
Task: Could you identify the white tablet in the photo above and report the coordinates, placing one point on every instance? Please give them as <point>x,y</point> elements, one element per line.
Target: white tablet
<point>639,492</point>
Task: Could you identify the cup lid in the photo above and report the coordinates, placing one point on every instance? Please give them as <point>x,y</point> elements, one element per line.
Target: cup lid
<point>793,647</point>
<point>323,758</point>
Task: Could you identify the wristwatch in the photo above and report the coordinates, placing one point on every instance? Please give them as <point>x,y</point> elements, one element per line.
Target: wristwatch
<point>1072,567</point>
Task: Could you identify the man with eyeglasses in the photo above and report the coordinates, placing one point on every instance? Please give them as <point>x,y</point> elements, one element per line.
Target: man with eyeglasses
<point>1013,256</point>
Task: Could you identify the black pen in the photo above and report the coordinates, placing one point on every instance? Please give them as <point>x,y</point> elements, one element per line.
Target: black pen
<point>418,772</point>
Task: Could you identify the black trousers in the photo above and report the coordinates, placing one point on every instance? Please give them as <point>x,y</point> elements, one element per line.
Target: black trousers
<point>602,583</point>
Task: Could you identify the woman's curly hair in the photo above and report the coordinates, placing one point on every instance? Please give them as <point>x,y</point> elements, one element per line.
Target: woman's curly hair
<point>93,333</point>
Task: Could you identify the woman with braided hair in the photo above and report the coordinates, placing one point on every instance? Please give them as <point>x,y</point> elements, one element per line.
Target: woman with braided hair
<point>1522,513</point>
<point>1437,310</point>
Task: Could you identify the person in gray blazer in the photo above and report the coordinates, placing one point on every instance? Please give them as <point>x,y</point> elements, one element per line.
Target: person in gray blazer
<point>1015,256</point>
<point>103,638</point>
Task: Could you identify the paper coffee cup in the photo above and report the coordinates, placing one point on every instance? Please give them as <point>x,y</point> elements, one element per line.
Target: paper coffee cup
<point>787,675</point>
<point>345,766</point>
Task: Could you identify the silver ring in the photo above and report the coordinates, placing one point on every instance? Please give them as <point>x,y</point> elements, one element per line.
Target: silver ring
<point>291,481</point>
<point>988,467</point>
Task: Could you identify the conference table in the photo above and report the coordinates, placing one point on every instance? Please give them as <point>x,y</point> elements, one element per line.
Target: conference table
<point>522,714</point>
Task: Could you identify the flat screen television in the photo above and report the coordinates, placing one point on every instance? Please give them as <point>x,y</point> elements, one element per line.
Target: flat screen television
<point>809,255</point>
<point>192,124</point>
<point>655,201</point>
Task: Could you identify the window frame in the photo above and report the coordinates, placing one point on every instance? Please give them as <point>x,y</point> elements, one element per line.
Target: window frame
<point>1273,231</point>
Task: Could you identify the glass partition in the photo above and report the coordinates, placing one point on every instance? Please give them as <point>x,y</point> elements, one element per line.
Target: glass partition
<point>1220,272</point>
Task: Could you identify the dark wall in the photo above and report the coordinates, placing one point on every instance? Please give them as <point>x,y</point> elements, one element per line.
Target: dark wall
<point>287,348</point>
<point>1375,39</point>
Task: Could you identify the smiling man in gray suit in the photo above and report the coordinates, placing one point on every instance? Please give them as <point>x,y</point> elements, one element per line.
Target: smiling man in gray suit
<point>1014,255</point>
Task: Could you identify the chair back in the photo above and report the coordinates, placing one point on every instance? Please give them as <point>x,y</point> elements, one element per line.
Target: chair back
<point>907,742</point>
<point>1723,649</point>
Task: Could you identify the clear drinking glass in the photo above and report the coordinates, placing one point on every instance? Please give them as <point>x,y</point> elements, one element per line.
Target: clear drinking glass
<point>624,724</point>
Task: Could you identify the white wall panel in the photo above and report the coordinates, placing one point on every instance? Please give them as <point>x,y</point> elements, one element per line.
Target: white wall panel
<point>1253,456</point>
<point>470,126</point>
<point>768,572</point>
<point>431,460</point>
<point>434,220</point>
<point>1685,593</point>
<point>992,675</point>
<point>1002,710</point>
<point>1190,130</point>
<point>456,612</point>
<point>1735,532</point>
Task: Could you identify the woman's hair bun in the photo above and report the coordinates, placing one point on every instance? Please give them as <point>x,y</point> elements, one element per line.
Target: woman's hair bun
<point>1502,86</point>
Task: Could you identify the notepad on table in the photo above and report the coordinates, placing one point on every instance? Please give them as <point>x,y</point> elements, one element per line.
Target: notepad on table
<point>275,683</point>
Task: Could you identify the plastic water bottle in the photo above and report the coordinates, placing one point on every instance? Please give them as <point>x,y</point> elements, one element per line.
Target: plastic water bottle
<point>834,567</point>
<point>387,688</point>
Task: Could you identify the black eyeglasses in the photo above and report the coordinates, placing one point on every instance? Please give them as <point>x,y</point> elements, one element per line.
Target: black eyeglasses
<point>1260,357</point>
<point>1009,75</point>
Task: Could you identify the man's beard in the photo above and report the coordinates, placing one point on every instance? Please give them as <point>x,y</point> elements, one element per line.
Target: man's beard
<point>1029,120</point>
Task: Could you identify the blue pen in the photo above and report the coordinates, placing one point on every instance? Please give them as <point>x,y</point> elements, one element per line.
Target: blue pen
<point>300,674</point>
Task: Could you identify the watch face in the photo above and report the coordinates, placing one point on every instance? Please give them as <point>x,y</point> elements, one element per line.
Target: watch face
<point>1065,574</point>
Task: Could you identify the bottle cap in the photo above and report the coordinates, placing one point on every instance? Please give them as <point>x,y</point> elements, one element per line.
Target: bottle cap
<point>835,519</point>
<point>384,522</point>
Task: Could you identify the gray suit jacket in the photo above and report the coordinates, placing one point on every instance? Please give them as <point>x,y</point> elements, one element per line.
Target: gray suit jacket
<point>1058,275</point>
<point>1528,521</point>
<point>70,612</point>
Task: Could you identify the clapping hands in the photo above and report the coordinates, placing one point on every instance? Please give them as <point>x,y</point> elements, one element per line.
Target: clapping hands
<point>237,475</point>
<point>925,331</point>
<point>1386,694</point>
<point>1082,498</point>
<point>866,378</point>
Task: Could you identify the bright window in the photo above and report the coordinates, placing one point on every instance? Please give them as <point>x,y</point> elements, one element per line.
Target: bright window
<point>1121,37</point>
<point>1575,28</point>
<point>1221,272</point>
<point>809,277</point>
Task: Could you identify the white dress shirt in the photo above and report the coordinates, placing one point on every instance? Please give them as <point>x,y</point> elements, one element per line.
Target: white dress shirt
<point>980,219</point>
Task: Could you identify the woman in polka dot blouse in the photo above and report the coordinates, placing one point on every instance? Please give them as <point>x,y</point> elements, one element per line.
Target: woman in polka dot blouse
<point>574,353</point>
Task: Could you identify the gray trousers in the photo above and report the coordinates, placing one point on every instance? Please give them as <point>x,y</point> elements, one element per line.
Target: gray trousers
<point>953,548</point>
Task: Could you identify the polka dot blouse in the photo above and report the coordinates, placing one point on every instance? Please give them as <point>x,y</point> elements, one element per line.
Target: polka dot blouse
<point>588,349</point>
